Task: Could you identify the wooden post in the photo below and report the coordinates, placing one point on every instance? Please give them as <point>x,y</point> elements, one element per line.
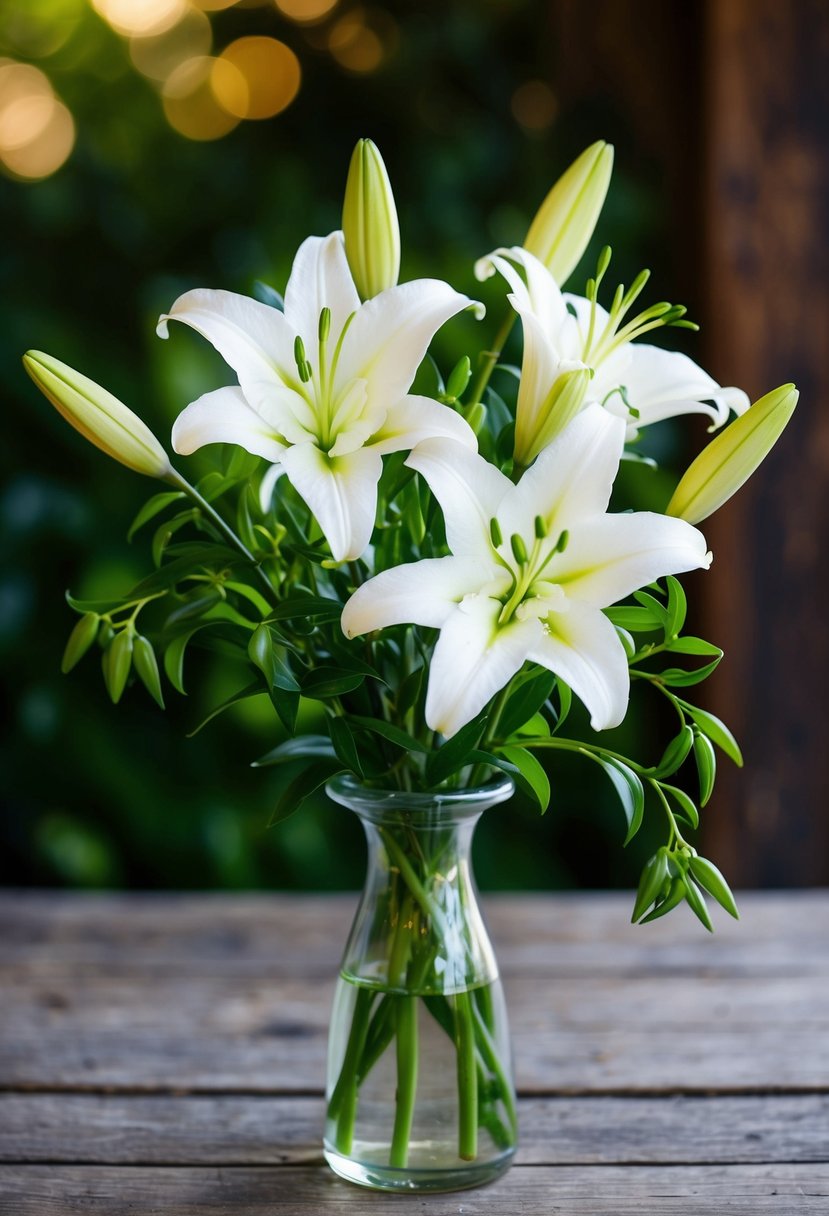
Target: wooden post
<point>766,73</point>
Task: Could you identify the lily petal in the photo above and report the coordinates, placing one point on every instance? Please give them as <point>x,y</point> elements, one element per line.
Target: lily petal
<point>537,292</point>
<point>420,593</point>
<point>572,478</point>
<point>662,383</point>
<point>416,419</point>
<point>224,416</point>
<point>473,659</point>
<point>582,647</point>
<point>610,556</point>
<point>252,338</point>
<point>320,278</point>
<point>469,490</point>
<point>341,491</point>
<point>388,338</point>
<point>267,486</point>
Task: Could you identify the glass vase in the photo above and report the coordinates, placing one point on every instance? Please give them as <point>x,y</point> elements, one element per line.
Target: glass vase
<point>420,1093</point>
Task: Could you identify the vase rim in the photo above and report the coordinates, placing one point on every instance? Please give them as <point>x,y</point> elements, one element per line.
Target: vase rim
<point>348,790</point>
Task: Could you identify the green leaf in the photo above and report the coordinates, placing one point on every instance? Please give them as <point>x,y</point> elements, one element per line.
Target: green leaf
<point>174,658</point>
<point>271,660</point>
<point>706,761</point>
<point>675,753</point>
<point>525,702</point>
<point>565,701</point>
<point>81,638</point>
<point>286,704</point>
<point>116,664</point>
<point>388,731</point>
<point>695,901</point>
<point>302,606</point>
<point>653,606</point>
<point>675,677</point>
<point>675,896</point>
<point>189,559</point>
<point>146,665</point>
<point>535,780</point>
<point>152,507</point>
<point>650,884</point>
<point>251,595</point>
<point>344,745</point>
<point>302,787</point>
<point>637,620</point>
<point>536,726</point>
<point>717,732</point>
<point>454,752</point>
<point>251,690</point>
<point>691,645</point>
<point>93,605</point>
<point>324,682</point>
<point>685,803</point>
<point>303,746</point>
<point>628,788</point>
<point>409,691</point>
<point>709,877</point>
<point>677,607</point>
<point>194,605</point>
<point>166,531</point>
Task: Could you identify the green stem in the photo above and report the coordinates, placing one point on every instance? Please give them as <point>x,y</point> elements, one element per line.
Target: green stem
<point>223,527</point>
<point>343,1104</point>
<point>406,1079</point>
<point>467,1078</point>
<point>489,1054</point>
<point>489,360</point>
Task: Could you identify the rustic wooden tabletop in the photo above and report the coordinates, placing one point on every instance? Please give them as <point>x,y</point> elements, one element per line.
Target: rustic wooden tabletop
<point>165,1054</point>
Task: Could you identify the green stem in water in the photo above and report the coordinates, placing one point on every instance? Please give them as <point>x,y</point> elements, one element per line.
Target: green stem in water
<point>467,1078</point>
<point>406,1079</point>
<point>343,1104</point>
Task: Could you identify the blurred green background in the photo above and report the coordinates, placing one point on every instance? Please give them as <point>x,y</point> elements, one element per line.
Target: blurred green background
<point>124,182</point>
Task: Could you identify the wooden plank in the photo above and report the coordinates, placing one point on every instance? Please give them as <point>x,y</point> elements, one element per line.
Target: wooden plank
<point>132,1130</point>
<point>785,1190</point>
<point>767,272</point>
<point>781,933</point>
<point>68,1027</point>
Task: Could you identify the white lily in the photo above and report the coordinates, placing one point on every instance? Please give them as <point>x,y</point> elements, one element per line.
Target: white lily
<point>323,388</point>
<point>533,566</point>
<point>563,332</point>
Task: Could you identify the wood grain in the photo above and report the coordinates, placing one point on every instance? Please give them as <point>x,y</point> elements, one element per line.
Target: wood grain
<point>784,1190</point>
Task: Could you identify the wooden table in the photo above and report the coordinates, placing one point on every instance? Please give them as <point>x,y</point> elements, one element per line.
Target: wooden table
<point>165,1054</point>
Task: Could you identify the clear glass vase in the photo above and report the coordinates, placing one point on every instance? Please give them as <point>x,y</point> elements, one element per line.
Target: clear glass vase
<point>420,1093</point>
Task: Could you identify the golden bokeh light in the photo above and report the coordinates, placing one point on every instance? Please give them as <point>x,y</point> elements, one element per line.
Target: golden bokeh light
<point>47,151</point>
<point>190,101</point>
<point>271,73</point>
<point>24,120</point>
<point>158,55</point>
<point>214,6</point>
<point>362,39</point>
<point>534,105</point>
<point>306,10</point>
<point>18,80</point>
<point>141,18</point>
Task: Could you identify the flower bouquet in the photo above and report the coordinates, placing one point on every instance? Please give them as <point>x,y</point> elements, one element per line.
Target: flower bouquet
<point>439,574</point>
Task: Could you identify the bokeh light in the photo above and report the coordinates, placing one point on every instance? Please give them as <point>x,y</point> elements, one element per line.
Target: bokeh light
<point>306,10</point>
<point>190,100</point>
<point>157,56</point>
<point>271,72</point>
<point>534,105</point>
<point>141,17</point>
<point>362,39</point>
<point>214,6</point>
<point>37,132</point>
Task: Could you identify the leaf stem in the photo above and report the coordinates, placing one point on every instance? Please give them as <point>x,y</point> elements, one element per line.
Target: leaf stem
<point>489,359</point>
<point>211,512</point>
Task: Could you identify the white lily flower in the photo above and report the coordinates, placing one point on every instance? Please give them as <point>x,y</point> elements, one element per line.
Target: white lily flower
<point>323,388</point>
<point>562,332</point>
<point>533,566</point>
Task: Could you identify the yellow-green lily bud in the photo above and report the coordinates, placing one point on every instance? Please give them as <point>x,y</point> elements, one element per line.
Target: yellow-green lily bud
<point>732,456</point>
<point>534,430</point>
<point>370,227</point>
<point>100,417</point>
<point>559,234</point>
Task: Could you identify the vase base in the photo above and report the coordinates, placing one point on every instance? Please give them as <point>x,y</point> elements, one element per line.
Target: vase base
<point>418,1178</point>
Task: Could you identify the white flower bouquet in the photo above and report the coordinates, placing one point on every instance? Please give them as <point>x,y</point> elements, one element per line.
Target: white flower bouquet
<point>439,572</point>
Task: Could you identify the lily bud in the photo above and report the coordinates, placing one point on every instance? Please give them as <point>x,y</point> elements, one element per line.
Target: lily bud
<point>100,417</point>
<point>559,234</point>
<point>370,227</point>
<point>732,456</point>
<point>534,430</point>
